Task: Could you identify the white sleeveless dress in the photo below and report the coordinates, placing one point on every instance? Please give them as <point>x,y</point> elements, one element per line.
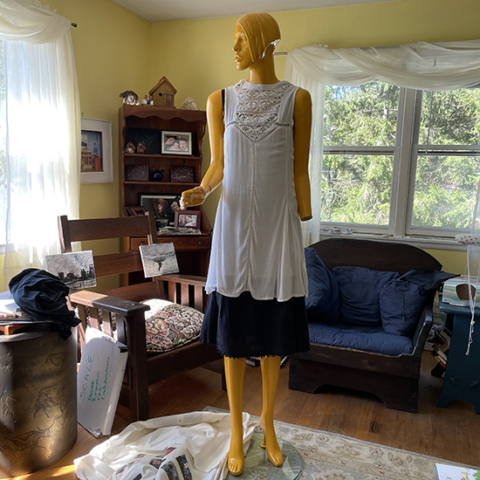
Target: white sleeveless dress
<point>257,241</point>
<point>257,278</point>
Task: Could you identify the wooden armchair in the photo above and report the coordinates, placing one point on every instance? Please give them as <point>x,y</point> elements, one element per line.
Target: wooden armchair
<point>393,379</point>
<point>120,308</point>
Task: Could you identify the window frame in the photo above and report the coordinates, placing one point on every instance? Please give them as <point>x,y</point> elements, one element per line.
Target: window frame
<point>405,155</point>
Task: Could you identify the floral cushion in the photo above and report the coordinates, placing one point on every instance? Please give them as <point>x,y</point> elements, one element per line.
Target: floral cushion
<point>169,325</point>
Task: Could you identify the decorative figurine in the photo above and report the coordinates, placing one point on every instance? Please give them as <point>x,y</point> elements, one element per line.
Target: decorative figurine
<point>145,100</point>
<point>164,93</point>
<point>157,174</point>
<point>129,97</point>
<point>189,104</point>
<point>141,148</point>
<point>150,100</point>
<point>130,148</point>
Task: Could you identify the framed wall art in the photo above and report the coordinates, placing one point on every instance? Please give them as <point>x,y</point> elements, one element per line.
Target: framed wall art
<point>176,143</point>
<point>96,151</point>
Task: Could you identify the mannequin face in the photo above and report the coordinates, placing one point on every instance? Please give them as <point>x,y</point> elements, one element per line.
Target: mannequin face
<point>243,57</point>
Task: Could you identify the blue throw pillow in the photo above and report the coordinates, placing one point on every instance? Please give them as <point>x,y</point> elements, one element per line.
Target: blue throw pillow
<point>322,303</point>
<point>401,304</point>
<point>360,294</point>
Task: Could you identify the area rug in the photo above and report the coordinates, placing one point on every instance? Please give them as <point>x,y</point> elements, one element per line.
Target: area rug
<point>330,456</point>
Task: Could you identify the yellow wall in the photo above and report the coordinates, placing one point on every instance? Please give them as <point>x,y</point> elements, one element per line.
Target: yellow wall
<point>112,53</point>
<point>196,55</point>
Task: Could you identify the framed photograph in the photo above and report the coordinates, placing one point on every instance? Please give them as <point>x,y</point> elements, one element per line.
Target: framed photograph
<point>181,174</point>
<point>158,259</point>
<point>96,151</point>
<point>162,206</point>
<point>136,211</point>
<point>75,269</point>
<point>188,219</point>
<point>177,143</point>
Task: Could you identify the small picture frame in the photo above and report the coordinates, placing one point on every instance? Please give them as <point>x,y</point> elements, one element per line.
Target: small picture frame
<point>180,174</point>
<point>176,143</point>
<point>136,211</point>
<point>163,206</point>
<point>188,219</point>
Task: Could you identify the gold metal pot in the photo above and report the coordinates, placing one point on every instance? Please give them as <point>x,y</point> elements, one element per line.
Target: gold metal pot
<point>38,399</point>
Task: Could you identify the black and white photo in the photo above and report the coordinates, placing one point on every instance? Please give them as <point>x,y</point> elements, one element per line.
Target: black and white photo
<point>159,259</point>
<point>75,269</point>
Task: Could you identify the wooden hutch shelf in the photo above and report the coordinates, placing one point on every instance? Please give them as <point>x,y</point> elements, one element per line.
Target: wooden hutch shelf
<point>193,251</point>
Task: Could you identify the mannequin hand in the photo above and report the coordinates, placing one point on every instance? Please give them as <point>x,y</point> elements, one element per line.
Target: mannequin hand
<point>195,196</point>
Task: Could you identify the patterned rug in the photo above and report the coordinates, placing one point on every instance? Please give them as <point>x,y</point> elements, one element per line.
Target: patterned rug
<point>329,456</point>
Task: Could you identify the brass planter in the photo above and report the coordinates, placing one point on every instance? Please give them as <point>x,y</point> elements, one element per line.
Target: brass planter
<point>38,399</point>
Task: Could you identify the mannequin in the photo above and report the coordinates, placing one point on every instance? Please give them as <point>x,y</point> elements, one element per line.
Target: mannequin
<point>255,38</point>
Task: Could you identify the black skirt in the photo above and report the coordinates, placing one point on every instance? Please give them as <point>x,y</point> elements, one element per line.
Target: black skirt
<point>244,327</point>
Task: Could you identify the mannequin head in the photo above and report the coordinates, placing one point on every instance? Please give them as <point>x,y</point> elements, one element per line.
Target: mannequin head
<point>254,33</point>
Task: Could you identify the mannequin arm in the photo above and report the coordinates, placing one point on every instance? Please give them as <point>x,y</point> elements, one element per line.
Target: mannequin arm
<point>214,175</point>
<point>302,116</point>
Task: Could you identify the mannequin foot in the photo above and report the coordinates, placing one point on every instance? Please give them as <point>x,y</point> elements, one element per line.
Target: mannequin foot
<point>236,459</point>
<point>270,443</point>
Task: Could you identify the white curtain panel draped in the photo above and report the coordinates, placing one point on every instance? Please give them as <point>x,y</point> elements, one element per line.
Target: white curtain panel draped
<point>42,131</point>
<point>421,66</point>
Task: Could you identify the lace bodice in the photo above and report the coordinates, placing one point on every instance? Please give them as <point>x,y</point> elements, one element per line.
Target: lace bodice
<point>257,108</point>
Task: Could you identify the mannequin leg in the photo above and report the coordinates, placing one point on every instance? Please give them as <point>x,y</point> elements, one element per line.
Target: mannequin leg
<point>234,374</point>
<point>270,374</point>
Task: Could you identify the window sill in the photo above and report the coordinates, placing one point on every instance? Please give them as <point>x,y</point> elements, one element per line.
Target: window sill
<point>437,244</point>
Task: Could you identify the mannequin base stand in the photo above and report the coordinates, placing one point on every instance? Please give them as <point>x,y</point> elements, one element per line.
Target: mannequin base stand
<point>258,466</point>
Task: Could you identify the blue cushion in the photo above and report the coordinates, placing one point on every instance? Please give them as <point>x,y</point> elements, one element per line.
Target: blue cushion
<point>322,303</point>
<point>360,294</point>
<point>401,304</point>
<point>369,339</point>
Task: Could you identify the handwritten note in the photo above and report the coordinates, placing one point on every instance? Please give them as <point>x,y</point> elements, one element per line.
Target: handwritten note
<point>99,381</point>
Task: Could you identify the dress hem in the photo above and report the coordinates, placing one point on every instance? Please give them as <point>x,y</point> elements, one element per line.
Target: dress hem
<point>210,290</point>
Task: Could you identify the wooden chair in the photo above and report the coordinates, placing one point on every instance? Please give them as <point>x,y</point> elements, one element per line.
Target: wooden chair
<point>120,308</point>
<point>394,379</point>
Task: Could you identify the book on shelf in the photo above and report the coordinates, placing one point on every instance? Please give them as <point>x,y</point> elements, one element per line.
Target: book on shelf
<point>452,472</point>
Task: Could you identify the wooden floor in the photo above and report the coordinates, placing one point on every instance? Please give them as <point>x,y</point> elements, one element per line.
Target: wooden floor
<point>452,433</point>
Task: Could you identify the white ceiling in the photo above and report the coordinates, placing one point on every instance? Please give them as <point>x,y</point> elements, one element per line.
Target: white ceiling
<point>163,10</point>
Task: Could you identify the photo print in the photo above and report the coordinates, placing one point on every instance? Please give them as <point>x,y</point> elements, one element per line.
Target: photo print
<point>75,269</point>
<point>92,152</point>
<point>158,259</point>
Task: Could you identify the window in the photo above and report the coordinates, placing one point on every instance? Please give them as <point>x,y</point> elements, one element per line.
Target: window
<point>400,162</point>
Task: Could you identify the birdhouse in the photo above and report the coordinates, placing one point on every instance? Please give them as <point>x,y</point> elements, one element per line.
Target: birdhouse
<point>163,93</point>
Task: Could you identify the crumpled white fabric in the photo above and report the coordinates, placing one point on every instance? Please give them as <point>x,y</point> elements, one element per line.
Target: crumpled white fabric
<point>204,436</point>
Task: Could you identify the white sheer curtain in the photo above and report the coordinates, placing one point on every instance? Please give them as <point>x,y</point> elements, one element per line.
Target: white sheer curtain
<point>422,66</point>
<point>42,131</point>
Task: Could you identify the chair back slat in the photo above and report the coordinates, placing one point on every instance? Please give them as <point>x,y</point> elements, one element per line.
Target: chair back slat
<point>105,228</point>
<point>117,263</point>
